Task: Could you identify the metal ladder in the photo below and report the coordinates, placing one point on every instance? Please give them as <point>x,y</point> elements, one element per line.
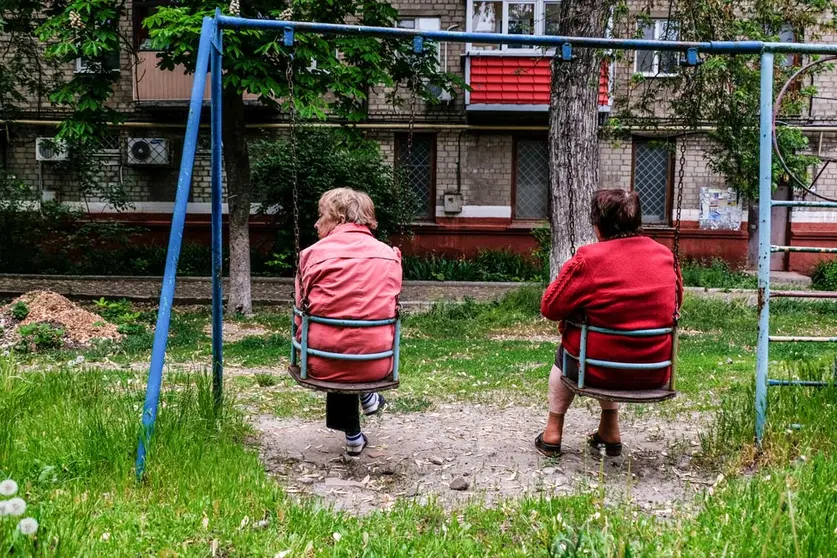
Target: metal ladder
<point>763,381</point>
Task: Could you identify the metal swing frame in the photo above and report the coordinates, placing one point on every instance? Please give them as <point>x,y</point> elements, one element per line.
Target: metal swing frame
<point>209,57</point>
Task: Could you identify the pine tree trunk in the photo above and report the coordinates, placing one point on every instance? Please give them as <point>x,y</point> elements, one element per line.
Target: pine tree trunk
<point>237,167</point>
<point>573,130</point>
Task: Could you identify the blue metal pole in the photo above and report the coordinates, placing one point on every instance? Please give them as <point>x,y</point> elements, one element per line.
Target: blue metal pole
<point>765,205</point>
<point>184,182</point>
<point>303,352</point>
<point>396,350</point>
<point>217,234</point>
<point>582,356</point>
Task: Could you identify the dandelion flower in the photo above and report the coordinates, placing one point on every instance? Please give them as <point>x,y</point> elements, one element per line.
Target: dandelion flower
<point>15,506</point>
<point>337,537</point>
<point>28,526</point>
<point>8,488</point>
<point>3,508</point>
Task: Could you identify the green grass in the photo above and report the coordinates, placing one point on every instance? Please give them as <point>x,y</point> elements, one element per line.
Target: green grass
<point>69,438</point>
<point>72,445</point>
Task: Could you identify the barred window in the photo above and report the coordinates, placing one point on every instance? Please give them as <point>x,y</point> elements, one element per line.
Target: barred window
<point>531,179</point>
<point>652,178</point>
<point>419,168</point>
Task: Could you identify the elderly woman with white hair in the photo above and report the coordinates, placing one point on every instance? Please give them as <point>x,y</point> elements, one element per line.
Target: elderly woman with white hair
<point>348,274</point>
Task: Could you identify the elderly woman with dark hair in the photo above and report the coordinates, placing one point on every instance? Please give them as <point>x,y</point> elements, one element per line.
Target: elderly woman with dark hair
<point>625,281</point>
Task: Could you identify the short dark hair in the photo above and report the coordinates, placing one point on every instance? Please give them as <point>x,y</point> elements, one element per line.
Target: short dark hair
<point>616,213</point>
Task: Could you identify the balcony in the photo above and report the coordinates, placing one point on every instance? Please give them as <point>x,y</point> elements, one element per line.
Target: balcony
<point>155,86</point>
<point>508,83</point>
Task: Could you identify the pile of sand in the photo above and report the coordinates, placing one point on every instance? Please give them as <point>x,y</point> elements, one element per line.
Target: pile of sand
<point>80,326</point>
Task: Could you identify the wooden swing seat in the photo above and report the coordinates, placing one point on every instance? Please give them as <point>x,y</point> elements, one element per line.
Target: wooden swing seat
<point>620,396</point>
<point>341,387</point>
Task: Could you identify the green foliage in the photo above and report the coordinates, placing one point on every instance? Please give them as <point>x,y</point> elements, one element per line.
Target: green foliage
<point>715,274</point>
<point>351,161</point>
<point>724,92</point>
<point>122,314</point>
<point>19,311</point>
<point>488,265</point>
<point>824,277</point>
<point>255,61</point>
<point>40,337</point>
<point>264,379</point>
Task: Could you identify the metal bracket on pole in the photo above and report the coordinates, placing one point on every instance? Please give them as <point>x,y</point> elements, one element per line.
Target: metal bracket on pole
<point>566,53</point>
<point>216,35</point>
<point>418,45</point>
<point>692,58</point>
<point>289,36</point>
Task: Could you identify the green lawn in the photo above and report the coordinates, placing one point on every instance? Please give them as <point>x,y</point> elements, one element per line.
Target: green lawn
<point>68,437</point>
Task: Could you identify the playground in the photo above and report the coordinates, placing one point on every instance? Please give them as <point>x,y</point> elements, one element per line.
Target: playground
<point>232,457</point>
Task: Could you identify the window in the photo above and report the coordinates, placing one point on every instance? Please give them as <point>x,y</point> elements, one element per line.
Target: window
<point>515,17</point>
<point>108,63</point>
<point>422,24</point>
<point>787,34</point>
<point>143,10</point>
<point>654,63</point>
<point>419,170</point>
<point>531,179</point>
<point>652,178</point>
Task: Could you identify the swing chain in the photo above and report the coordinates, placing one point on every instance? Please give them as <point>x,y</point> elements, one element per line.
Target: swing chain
<point>289,75</point>
<point>570,195</point>
<point>679,209</point>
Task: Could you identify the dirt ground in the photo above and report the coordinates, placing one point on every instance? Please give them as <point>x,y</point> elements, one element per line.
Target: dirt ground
<point>491,449</point>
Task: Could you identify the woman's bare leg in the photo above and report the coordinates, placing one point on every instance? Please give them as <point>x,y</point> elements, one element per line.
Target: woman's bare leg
<point>560,398</point>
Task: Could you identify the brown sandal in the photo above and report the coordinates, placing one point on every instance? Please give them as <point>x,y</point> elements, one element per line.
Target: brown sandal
<point>611,449</point>
<point>547,449</point>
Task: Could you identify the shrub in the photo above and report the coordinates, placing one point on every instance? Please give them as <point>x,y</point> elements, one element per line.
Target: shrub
<point>40,337</point>
<point>715,274</point>
<point>326,159</point>
<point>266,380</point>
<point>19,311</point>
<point>824,277</point>
<point>488,265</point>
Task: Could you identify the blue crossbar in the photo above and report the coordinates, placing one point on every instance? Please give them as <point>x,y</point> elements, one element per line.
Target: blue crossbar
<point>783,203</point>
<point>803,249</point>
<point>345,323</point>
<point>800,383</point>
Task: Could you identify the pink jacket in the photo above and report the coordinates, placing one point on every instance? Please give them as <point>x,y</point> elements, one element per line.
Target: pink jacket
<point>350,275</point>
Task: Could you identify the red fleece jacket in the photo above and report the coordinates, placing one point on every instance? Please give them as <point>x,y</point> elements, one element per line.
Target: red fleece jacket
<point>626,283</point>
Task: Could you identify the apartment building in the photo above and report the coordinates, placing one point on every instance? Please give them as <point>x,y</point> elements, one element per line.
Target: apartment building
<point>479,157</point>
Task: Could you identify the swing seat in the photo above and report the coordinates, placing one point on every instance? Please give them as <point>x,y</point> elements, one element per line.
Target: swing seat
<point>300,351</point>
<point>621,396</point>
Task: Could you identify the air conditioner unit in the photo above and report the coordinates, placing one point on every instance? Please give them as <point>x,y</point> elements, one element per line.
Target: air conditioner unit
<point>440,93</point>
<point>148,151</point>
<point>50,149</point>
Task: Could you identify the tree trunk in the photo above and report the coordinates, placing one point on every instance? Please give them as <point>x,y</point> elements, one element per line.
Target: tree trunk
<point>573,130</point>
<point>237,167</point>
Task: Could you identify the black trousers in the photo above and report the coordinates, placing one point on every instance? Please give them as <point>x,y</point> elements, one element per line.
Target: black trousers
<point>572,364</point>
<point>343,412</point>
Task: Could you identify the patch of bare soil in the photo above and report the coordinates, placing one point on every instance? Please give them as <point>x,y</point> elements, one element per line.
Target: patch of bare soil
<point>542,331</point>
<point>234,331</point>
<point>80,327</point>
<point>462,452</point>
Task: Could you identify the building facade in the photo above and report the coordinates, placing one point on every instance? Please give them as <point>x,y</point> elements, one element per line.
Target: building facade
<point>479,160</point>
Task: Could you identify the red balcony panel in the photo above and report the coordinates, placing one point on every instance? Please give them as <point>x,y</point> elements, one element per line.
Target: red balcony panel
<point>520,80</point>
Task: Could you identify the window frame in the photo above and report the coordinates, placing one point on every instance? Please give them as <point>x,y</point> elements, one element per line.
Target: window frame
<point>136,25</point>
<point>401,139</point>
<point>516,140</point>
<point>655,64</point>
<point>635,142</point>
<point>505,49</point>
